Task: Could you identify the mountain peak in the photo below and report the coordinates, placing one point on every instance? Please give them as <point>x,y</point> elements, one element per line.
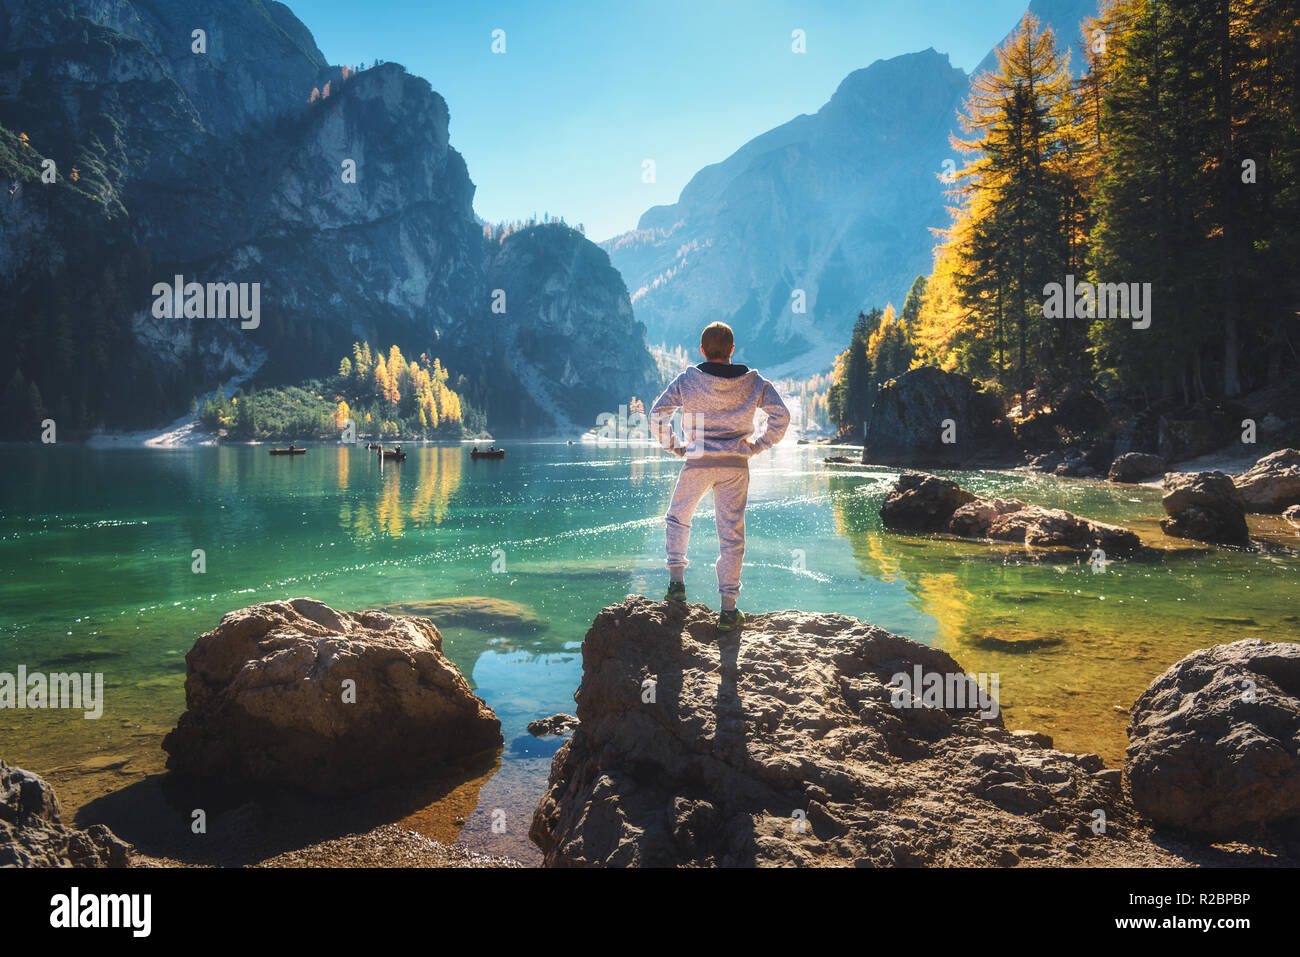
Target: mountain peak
<point>894,86</point>
<point>912,65</point>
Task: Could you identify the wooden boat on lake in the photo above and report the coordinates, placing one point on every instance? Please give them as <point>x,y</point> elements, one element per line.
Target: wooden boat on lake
<point>289,451</point>
<point>399,456</point>
<point>488,454</point>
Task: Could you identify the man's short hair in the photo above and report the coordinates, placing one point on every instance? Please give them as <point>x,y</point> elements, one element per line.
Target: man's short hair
<point>717,342</point>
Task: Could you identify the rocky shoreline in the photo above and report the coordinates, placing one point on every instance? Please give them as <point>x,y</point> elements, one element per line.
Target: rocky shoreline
<point>805,740</point>
<point>931,418</point>
<point>1206,506</point>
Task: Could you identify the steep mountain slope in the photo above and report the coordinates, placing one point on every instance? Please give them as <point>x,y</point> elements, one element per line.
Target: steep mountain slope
<point>839,204</point>
<point>216,167</point>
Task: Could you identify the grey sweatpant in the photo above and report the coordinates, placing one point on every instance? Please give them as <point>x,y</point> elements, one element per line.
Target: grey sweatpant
<point>730,487</point>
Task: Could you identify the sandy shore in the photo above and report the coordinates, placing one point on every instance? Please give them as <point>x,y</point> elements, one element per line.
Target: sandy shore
<point>1233,463</point>
<point>181,434</point>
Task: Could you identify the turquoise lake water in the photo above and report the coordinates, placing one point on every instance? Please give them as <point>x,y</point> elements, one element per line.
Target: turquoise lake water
<point>96,575</point>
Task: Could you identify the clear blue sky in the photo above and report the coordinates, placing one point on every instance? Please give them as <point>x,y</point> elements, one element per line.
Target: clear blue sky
<point>587,90</point>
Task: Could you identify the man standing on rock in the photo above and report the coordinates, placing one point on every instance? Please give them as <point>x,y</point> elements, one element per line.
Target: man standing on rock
<point>719,402</point>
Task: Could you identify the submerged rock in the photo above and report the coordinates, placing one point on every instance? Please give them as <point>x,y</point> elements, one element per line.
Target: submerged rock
<point>32,833</point>
<point>785,744</point>
<point>912,415</point>
<point>1205,506</point>
<point>1272,484</point>
<point>296,693</point>
<point>926,503</point>
<point>479,612</point>
<point>1214,742</point>
<point>1134,467</point>
<point>556,724</point>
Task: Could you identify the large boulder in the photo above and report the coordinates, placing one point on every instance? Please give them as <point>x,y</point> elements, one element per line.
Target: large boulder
<point>921,502</point>
<point>1273,483</point>
<point>32,833</point>
<point>1056,528</point>
<point>1135,466</point>
<point>785,744</point>
<point>296,693</point>
<point>911,413</point>
<point>1214,742</point>
<point>1205,506</point>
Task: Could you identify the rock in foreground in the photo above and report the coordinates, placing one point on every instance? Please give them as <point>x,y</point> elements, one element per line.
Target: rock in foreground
<point>32,833</point>
<point>1214,742</point>
<point>1204,506</point>
<point>782,746</point>
<point>296,693</point>
<point>927,503</point>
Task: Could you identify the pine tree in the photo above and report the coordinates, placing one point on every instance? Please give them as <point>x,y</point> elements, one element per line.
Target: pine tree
<point>912,304</point>
<point>1010,228</point>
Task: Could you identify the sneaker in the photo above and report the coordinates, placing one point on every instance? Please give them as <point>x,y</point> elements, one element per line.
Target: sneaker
<point>676,592</point>
<point>730,620</point>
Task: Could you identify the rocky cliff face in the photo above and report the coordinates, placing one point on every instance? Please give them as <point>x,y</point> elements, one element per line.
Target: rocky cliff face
<point>839,204</point>
<point>215,166</point>
<point>575,348</point>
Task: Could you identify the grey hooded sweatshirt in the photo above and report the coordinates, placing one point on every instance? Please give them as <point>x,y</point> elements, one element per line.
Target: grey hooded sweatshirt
<point>719,402</point>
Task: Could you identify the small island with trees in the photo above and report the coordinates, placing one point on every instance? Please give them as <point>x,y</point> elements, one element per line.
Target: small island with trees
<point>384,395</point>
